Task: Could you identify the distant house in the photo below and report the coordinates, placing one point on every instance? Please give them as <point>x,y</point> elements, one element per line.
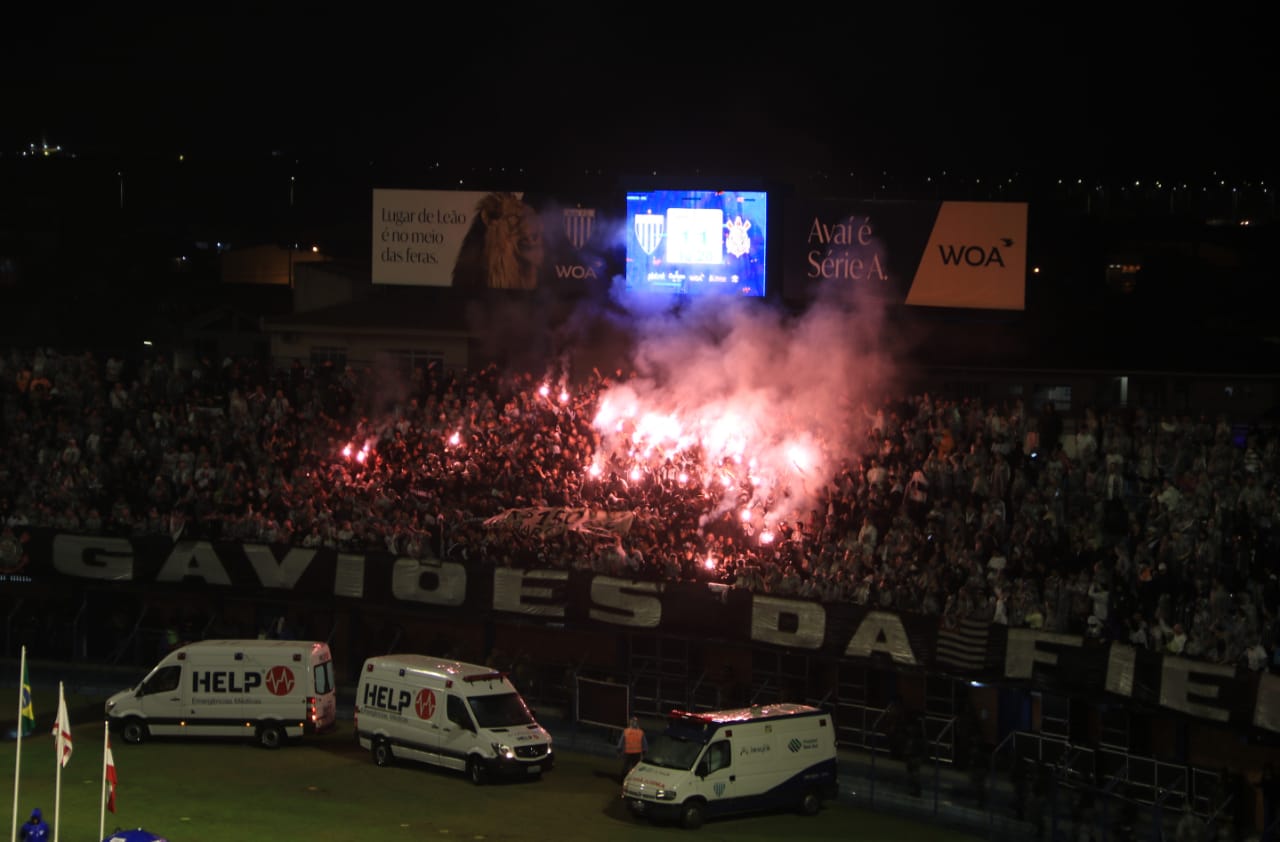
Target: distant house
<point>266,264</point>
<point>339,315</point>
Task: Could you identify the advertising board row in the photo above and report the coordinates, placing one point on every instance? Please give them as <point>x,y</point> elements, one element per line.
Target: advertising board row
<point>744,243</point>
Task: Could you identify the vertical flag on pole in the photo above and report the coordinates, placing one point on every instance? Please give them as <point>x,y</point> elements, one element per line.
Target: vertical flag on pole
<point>28,724</point>
<point>62,743</point>
<point>108,781</point>
<point>62,730</point>
<point>24,711</point>
<point>111,779</point>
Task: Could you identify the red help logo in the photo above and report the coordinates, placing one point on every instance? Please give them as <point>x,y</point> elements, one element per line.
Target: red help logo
<point>280,681</point>
<point>425,704</point>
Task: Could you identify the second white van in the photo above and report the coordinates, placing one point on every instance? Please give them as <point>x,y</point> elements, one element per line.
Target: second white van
<point>447,713</point>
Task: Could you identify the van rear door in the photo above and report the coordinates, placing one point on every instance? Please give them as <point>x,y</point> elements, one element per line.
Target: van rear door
<point>322,712</point>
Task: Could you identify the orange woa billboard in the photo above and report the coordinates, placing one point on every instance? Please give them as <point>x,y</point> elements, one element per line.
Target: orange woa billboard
<point>928,254</point>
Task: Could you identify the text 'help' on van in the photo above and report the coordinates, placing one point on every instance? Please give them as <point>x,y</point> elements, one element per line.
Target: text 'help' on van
<point>448,713</point>
<point>719,763</point>
<point>266,691</point>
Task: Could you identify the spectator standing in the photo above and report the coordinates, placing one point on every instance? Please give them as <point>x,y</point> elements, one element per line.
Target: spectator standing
<point>1256,656</point>
<point>632,744</point>
<point>34,829</point>
<point>1269,787</point>
<point>913,752</point>
<point>978,769</point>
<point>1190,828</point>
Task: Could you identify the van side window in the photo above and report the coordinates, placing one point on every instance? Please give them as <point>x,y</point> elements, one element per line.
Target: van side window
<point>165,680</point>
<point>717,755</point>
<point>457,712</point>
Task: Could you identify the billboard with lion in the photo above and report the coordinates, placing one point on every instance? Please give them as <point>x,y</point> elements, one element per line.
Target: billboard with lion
<point>474,240</point>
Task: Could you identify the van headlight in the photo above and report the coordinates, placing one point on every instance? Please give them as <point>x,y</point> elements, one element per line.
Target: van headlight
<point>503,751</point>
<point>665,795</point>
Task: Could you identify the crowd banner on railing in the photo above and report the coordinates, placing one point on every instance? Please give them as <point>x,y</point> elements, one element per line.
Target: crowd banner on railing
<point>1068,664</point>
<point>549,521</point>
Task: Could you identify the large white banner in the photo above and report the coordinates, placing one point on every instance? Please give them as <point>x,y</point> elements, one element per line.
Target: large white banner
<point>417,234</point>
<point>462,238</point>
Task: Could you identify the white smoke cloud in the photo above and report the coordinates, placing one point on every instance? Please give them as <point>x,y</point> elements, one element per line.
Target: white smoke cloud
<point>770,402</point>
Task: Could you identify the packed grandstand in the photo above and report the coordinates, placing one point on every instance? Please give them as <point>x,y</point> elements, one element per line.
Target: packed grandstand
<point>1118,524</point>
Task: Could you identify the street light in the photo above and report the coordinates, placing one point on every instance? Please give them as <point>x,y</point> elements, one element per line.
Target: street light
<point>293,227</point>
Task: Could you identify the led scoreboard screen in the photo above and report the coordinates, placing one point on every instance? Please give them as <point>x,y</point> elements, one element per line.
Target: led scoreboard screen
<point>696,242</point>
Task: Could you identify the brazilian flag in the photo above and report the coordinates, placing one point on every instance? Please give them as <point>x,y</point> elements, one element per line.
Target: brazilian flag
<point>28,723</point>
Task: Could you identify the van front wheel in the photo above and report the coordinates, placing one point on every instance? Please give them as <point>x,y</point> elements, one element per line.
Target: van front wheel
<point>692,814</point>
<point>476,772</point>
<point>133,731</point>
<point>270,736</point>
<point>811,803</point>
<point>381,753</point>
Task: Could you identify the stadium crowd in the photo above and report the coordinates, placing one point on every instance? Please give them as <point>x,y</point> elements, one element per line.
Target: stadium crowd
<point>1123,524</point>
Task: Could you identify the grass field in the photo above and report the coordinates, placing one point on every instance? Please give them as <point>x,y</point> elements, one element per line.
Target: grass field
<point>325,789</point>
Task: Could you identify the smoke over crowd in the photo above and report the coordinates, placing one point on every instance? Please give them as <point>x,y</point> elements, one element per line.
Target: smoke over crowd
<point>766,404</point>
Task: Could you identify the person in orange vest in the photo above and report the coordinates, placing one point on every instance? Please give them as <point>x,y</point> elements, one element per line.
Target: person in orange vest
<point>632,745</point>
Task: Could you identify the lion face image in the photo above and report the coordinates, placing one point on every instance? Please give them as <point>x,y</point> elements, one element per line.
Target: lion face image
<point>504,248</point>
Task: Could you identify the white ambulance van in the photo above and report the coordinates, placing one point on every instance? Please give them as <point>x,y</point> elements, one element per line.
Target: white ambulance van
<point>266,691</point>
<point>735,761</point>
<point>448,713</point>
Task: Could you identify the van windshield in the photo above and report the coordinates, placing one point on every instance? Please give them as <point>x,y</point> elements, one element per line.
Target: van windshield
<point>500,711</point>
<point>672,752</point>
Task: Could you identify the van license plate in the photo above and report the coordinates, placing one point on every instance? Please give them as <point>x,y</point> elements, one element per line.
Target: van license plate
<point>533,770</point>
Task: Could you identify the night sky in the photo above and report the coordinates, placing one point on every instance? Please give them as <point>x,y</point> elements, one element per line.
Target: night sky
<point>920,87</point>
<point>330,104</point>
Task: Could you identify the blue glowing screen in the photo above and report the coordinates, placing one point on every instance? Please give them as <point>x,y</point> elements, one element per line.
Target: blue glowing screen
<point>697,242</point>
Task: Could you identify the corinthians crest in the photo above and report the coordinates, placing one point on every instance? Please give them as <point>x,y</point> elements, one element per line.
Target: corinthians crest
<point>738,242</point>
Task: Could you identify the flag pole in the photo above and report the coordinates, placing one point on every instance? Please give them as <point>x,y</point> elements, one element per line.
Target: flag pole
<point>17,754</point>
<point>57,792</point>
<point>106,746</point>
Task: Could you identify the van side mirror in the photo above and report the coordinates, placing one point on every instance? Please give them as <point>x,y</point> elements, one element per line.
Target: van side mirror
<point>701,771</point>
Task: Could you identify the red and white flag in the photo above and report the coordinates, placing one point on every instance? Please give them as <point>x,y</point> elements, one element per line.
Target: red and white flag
<point>62,731</point>
<point>111,779</point>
